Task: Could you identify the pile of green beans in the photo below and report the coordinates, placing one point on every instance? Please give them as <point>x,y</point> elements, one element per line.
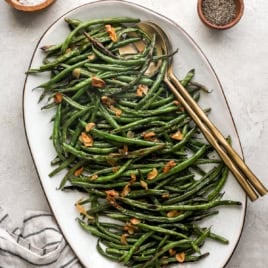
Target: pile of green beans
<point>148,175</point>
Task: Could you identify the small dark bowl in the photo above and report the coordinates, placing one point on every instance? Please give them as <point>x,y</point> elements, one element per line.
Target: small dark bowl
<point>239,14</point>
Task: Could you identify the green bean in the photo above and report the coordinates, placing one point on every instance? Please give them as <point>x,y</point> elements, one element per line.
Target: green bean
<point>140,171</point>
<point>188,78</point>
<point>121,253</point>
<point>187,259</point>
<point>82,84</point>
<point>72,22</point>
<point>163,241</point>
<point>207,178</point>
<point>50,49</point>
<point>107,67</point>
<point>142,193</point>
<point>171,245</point>
<point>102,144</point>
<point>93,230</point>
<point>115,82</point>
<point>152,218</point>
<point>56,136</point>
<point>81,87</point>
<point>116,174</point>
<point>99,150</point>
<point>180,226</point>
<point>185,139</point>
<point>129,104</point>
<point>139,242</point>
<point>143,247</point>
<point>140,153</point>
<point>144,103</point>
<point>134,125</point>
<point>211,235</point>
<point>144,67</point>
<point>174,179</point>
<point>121,139</point>
<point>132,31</point>
<point>203,215</point>
<point>84,184</point>
<point>144,80</point>
<point>74,104</point>
<point>106,231</point>
<point>81,57</point>
<point>114,245</point>
<point>170,124</point>
<point>178,207</point>
<point>220,184</point>
<point>117,216</point>
<point>124,43</point>
<point>149,112</point>
<point>161,102</point>
<point>69,121</point>
<point>218,238</point>
<point>95,192</point>
<point>108,117</point>
<point>159,229</point>
<point>70,172</point>
<point>62,74</point>
<point>77,132</point>
<point>62,166</point>
<point>86,24</point>
<point>55,161</point>
<point>181,166</point>
<point>83,155</point>
<point>59,60</point>
<point>208,161</point>
<point>106,255</point>
<point>124,62</point>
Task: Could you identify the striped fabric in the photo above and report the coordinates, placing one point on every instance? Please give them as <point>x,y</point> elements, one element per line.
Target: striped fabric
<point>38,243</point>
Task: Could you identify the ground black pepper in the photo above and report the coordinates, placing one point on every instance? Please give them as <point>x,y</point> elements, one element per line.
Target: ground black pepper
<point>219,12</point>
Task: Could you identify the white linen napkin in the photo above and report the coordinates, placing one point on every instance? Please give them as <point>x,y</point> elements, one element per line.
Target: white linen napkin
<point>38,243</point>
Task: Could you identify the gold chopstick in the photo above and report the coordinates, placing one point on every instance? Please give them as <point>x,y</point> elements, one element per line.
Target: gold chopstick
<point>234,162</point>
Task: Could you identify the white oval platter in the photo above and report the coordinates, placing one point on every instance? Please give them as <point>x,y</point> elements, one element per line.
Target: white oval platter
<point>228,223</point>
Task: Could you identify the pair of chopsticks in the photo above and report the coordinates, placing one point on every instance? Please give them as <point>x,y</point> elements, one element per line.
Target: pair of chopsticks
<point>248,181</point>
